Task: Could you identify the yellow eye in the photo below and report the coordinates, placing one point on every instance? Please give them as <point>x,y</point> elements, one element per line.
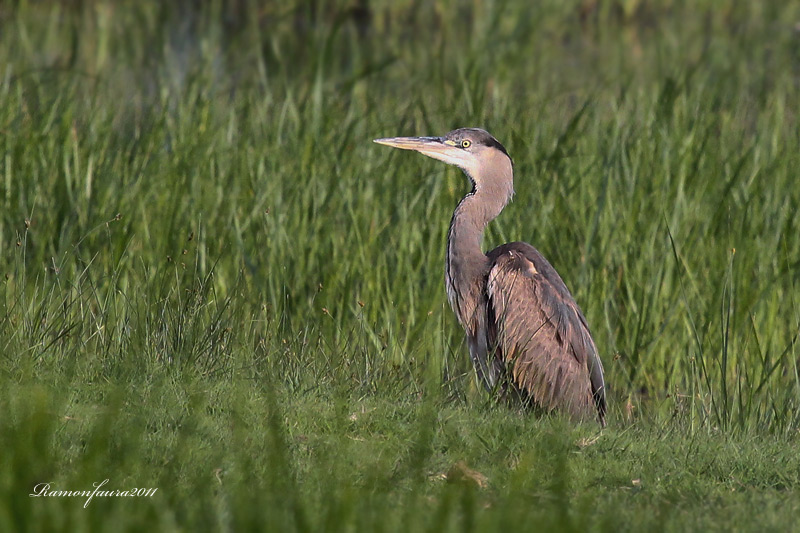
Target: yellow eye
<point>465,143</point>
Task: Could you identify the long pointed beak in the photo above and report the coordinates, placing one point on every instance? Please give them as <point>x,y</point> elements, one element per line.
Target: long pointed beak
<point>414,143</point>
<point>435,147</point>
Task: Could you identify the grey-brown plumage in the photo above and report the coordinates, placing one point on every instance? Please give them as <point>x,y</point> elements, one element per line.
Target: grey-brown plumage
<point>526,334</point>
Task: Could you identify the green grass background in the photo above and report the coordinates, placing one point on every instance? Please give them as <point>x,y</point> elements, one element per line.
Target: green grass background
<point>212,282</point>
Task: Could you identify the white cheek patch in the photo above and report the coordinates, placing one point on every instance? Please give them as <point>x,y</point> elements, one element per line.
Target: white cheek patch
<point>470,166</point>
<point>459,159</point>
<point>438,155</point>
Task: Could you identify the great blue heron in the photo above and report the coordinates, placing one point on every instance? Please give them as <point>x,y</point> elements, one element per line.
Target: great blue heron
<point>525,332</point>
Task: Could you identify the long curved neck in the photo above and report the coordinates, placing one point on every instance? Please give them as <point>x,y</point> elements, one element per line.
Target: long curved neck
<point>466,264</point>
<point>467,226</point>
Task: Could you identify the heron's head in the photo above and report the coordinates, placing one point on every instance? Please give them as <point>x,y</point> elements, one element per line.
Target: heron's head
<point>473,150</point>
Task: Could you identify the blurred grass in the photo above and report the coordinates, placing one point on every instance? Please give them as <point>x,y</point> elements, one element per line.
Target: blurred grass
<point>215,284</point>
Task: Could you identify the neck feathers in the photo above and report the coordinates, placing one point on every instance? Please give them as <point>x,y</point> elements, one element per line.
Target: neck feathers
<point>466,264</point>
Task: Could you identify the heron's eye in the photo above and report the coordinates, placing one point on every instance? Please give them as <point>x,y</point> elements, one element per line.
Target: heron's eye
<point>465,143</point>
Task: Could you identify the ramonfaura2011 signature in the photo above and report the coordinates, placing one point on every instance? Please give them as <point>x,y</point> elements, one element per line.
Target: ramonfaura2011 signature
<point>44,490</point>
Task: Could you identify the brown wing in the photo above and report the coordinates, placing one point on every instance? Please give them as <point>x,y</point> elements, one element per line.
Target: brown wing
<point>541,334</point>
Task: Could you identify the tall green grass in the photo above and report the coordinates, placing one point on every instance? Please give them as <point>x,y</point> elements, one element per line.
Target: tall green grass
<point>214,283</point>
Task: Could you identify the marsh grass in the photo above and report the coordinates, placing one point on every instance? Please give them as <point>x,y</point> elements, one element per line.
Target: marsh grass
<point>213,282</point>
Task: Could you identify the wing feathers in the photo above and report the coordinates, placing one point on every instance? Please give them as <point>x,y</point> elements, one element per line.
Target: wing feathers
<point>541,335</point>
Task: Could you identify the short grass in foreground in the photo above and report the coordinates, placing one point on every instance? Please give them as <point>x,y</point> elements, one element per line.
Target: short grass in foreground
<point>235,455</point>
<point>213,283</point>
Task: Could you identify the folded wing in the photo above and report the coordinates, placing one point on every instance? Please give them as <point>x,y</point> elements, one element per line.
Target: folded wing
<point>540,334</point>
